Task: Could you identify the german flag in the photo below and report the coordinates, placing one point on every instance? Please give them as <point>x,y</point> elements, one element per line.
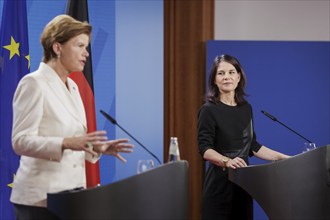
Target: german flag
<point>78,9</point>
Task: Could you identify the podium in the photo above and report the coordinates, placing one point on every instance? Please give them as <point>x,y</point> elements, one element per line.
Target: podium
<point>160,193</point>
<point>297,188</point>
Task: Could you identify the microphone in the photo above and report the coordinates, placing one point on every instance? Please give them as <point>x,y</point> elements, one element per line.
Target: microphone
<point>275,119</point>
<point>113,121</point>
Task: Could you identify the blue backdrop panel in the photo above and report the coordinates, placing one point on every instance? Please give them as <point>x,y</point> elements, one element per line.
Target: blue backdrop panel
<point>289,80</point>
<point>139,79</point>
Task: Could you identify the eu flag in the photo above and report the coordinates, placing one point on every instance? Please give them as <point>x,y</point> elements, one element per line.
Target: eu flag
<point>14,64</point>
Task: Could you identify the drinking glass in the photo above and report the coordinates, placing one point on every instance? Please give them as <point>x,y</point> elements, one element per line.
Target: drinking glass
<point>308,146</point>
<point>144,165</point>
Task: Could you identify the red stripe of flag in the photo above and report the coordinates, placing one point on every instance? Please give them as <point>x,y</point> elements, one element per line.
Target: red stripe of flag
<point>78,9</point>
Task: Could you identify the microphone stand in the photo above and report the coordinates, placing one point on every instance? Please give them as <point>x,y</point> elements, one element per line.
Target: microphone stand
<point>275,119</point>
<point>113,121</point>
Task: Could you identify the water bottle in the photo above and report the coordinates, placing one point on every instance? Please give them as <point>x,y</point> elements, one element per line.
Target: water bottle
<point>174,153</point>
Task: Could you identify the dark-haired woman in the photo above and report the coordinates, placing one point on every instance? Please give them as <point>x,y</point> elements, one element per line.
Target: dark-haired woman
<point>226,139</point>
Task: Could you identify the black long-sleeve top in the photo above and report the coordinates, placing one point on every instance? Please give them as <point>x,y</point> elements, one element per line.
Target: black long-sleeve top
<point>227,129</point>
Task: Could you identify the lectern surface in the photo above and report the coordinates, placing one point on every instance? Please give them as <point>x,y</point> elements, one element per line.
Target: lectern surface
<point>297,188</point>
<point>160,193</point>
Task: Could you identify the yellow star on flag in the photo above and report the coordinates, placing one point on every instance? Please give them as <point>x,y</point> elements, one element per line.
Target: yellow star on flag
<point>11,185</point>
<point>28,58</point>
<point>12,47</point>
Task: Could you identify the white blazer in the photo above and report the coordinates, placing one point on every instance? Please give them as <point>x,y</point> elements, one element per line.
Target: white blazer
<point>44,112</point>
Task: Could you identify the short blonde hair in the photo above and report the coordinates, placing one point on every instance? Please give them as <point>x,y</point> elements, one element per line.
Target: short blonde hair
<point>61,29</point>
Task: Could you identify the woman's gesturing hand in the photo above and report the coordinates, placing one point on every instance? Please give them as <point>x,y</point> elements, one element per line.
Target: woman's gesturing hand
<point>97,142</point>
<point>114,147</point>
<point>84,142</point>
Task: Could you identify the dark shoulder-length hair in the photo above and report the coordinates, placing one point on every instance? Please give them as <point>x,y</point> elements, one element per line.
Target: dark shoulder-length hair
<point>213,94</point>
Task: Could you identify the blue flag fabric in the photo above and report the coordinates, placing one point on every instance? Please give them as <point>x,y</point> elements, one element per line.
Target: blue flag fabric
<point>14,64</point>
